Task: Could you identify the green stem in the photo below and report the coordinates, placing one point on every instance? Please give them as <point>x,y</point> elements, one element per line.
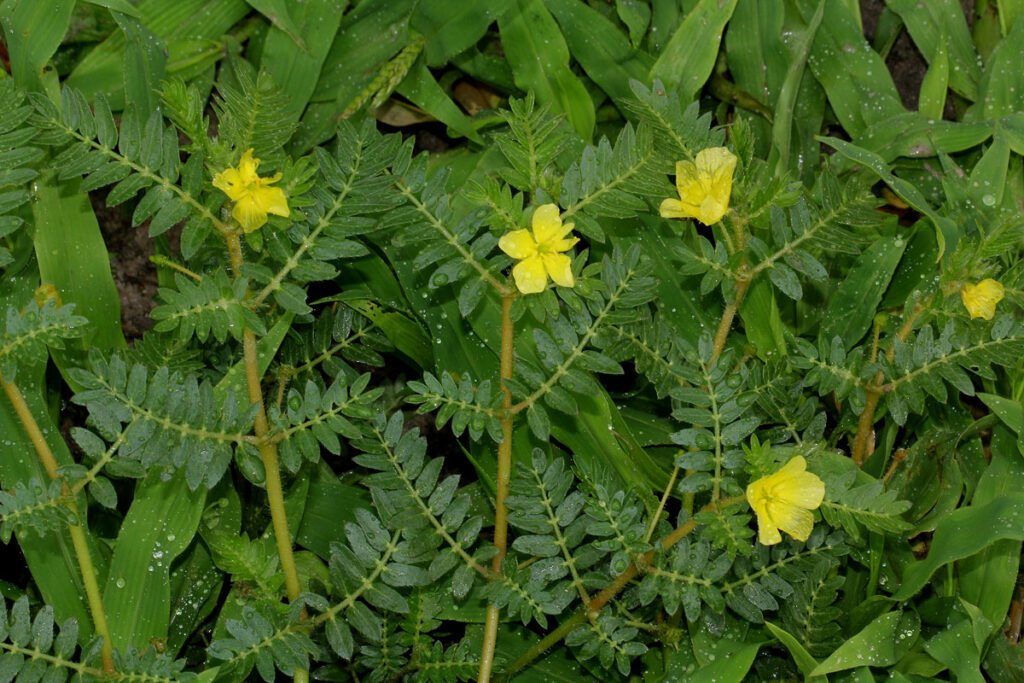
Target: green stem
<point>78,539</point>
<point>161,260</point>
<point>504,475</point>
<point>661,505</point>
<point>727,238</point>
<point>269,456</point>
<point>728,315</point>
<point>863,439</point>
<point>268,450</point>
<point>743,279</point>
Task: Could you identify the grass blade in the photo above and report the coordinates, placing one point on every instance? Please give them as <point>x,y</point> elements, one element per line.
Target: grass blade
<point>690,55</point>
<point>856,80</point>
<point>101,70</point>
<point>941,26</point>
<point>33,31</point>
<point>295,64</point>
<point>73,257</point>
<point>144,61</point>
<point>600,47</point>
<point>539,57</point>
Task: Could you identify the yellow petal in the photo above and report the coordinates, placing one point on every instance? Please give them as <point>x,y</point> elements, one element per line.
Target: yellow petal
<point>559,267</point>
<point>766,533</point>
<point>247,166</point>
<point>249,214</point>
<point>717,166</point>
<point>756,497</point>
<point>673,208</point>
<point>530,275</point>
<point>230,183</point>
<point>980,299</point>
<point>690,187</point>
<point>564,244</point>
<point>783,500</point>
<point>712,209</point>
<point>794,485</point>
<point>272,200</point>
<point>547,224</point>
<point>518,244</point>
<point>805,490</point>
<point>716,162</point>
<point>794,520</point>
<point>704,186</point>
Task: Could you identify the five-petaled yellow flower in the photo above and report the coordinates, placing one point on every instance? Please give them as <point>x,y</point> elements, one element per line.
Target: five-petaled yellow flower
<point>704,186</point>
<point>253,197</point>
<point>540,254</point>
<point>784,500</point>
<point>980,300</point>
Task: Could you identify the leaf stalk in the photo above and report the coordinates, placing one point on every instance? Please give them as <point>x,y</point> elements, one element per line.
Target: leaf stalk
<point>267,449</point>
<point>504,475</point>
<point>78,539</point>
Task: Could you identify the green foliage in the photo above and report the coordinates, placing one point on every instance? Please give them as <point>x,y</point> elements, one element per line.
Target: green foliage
<point>565,363</point>
<point>719,410</point>
<point>26,335</point>
<point>242,490</point>
<point>681,130</point>
<point>461,403</point>
<point>869,506</point>
<point>212,305</point>
<point>531,144</point>
<point>17,155</point>
<point>249,112</point>
<point>611,180</point>
<point>427,508</point>
<point>923,366</point>
<point>34,507</point>
<point>164,420</point>
<point>349,190</point>
<point>685,576</point>
<point>316,417</point>
<point>34,647</point>
<point>261,640</point>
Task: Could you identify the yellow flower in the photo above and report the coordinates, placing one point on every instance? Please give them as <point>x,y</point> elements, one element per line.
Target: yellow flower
<point>704,186</point>
<point>980,300</point>
<point>540,254</point>
<point>784,500</point>
<point>251,194</point>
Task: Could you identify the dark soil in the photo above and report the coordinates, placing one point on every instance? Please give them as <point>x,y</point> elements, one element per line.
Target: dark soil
<point>905,62</point>
<point>135,277</point>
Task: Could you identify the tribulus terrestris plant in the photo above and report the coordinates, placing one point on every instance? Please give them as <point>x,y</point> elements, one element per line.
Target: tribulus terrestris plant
<point>660,407</point>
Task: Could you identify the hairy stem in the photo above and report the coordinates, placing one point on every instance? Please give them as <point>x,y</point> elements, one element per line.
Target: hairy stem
<point>267,447</point>
<point>78,539</point>
<point>728,315</point>
<point>865,426</point>
<point>598,602</point>
<point>268,454</point>
<point>268,450</point>
<point>503,476</point>
<point>161,260</point>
